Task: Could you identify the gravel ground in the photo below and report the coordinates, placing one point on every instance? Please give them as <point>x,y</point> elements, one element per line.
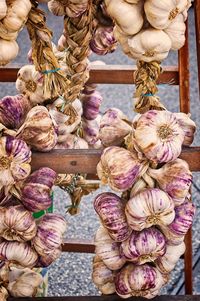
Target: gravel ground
<point>71,274</point>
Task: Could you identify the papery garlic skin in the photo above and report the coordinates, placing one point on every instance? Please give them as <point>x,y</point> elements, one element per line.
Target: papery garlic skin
<point>188,126</point>
<point>161,14</point>
<point>31,83</point>
<point>175,178</point>
<point>108,250</point>
<point>149,45</point>
<point>91,100</point>
<point>176,32</point>
<point>159,136</point>
<point>91,131</point>
<point>13,110</point>
<point>114,126</point>
<point>49,258</point>
<point>144,246</point>
<point>110,209</point>
<point>72,142</point>
<point>120,168</point>
<point>149,207</point>
<point>15,157</point>
<point>36,191</point>
<point>167,263</point>
<point>3,293</point>
<point>176,231</point>
<point>53,221</point>
<point>38,130</point>
<point>17,224</point>
<point>103,277</point>
<point>8,51</point>
<point>18,252</point>
<point>140,281</point>
<point>26,284</point>
<point>3,9</point>
<point>103,41</point>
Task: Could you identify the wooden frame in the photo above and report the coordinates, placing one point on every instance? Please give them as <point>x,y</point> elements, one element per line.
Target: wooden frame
<point>85,161</point>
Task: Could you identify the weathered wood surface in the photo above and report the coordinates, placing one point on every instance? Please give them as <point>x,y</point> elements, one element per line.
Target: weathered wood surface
<point>108,74</point>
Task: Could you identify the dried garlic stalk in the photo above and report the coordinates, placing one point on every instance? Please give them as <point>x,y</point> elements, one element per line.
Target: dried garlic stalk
<point>145,82</point>
<point>44,59</point>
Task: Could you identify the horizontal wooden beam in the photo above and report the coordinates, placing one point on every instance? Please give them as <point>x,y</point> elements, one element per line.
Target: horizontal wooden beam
<point>78,246</point>
<point>85,161</point>
<point>110,298</point>
<point>108,74</point>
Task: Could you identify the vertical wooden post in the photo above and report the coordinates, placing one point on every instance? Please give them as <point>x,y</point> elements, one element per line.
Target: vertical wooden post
<point>197,23</point>
<point>184,94</point>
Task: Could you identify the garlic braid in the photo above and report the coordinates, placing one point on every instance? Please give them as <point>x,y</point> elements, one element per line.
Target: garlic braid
<point>146,77</point>
<point>78,33</point>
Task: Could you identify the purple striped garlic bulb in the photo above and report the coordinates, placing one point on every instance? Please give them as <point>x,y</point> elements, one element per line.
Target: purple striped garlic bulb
<point>91,131</point>
<point>120,168</point>
<point>91,100</point>
<point>166,263</point>
<point>149,207</point>
<point>108,250</point>
<point>159,136</point>
<point>13,110</point>
<point>103,277</point>
<point>36,191</point>
<point>45,261</point>
<point>15,158</point>
<point>114,127</point>
<point>176,231</point>
<point>16,223</point>
<point>49,236</point>
<point>39,130</point>
<point>110,209</point>
<point>139,281</point>
<point>144,246</point>
<point>175,178</point>
<point>188,126</point>
<point>103,41</point>
<point>19,252</point>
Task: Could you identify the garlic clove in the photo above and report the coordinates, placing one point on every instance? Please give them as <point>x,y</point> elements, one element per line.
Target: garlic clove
<point>91,100</point>
<point>144,210</point>
<point>188,126</point>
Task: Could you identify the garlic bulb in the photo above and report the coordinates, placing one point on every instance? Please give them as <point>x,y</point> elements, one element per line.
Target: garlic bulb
<point>15,157</point>
<point>38,130</point>
<point>132,23</point>
<point>161,14</point>
<point>103,41</point>
<point>144,246</point>
<point>159,136</point>
<point>17,14</point>
<point>140,281</point>
<point>108,250</point>
<point>17,224</point>
<point>3,9</point>
<point>175,178</point>
<point>114,126</point>
<point>3,293</point>
<point>91,130</point>
<point>72,142</point>
<point>120,168</point>
<point>18,252</point>
<point>176,231</point>
<point>167,263</point>
<point>150,45</point>
<point>36,190</point>
<point>188,126</point>
<point>8,51</point>
<point>176,32</point>
<point>91,100</point>
<point>26,284</point>
<point>149,207</point>
<point>30,83</point>
<point>53,221</point>
<point>110,209</point>
<point>49,258</point>
<point>13,110</point>
<point>102,277</point>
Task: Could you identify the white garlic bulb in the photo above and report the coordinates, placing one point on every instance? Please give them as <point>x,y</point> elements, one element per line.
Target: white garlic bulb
<point>25,284</point>
<point>150,45</point>
<point>8,51</point>
<point>161,13</point>
<point>167,262</point>
<point>108,250</point>
<point>16,223</point>
<point>176,32</point>
<point>159,136</point>
<point>149,207</point>
<point>30,83</point>
<point>126,15</point>
<point>3,9</point>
